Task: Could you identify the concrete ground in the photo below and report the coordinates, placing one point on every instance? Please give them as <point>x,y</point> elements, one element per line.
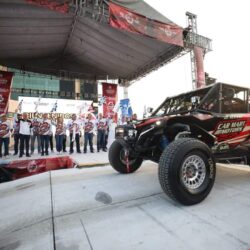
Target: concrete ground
<point>97,208</point>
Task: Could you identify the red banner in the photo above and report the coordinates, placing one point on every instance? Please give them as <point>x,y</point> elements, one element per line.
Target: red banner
<point>125,19</point>
<point>200,73</point>
<point>5,85</point>
<point>24,168</point>
<point>59,6</point>
<point>110,94</point>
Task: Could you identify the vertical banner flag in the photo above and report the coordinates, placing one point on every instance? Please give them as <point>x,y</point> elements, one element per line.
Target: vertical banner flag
<point>5,85</point>
<point>110,93</point>
<point>126,110</point>
<point>200,73</point>
<point>125,19</point>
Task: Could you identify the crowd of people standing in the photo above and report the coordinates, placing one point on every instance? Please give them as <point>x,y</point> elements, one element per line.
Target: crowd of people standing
<point>38,131</point>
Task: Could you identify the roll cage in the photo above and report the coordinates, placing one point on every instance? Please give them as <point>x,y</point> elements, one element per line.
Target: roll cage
<point>219,98</point>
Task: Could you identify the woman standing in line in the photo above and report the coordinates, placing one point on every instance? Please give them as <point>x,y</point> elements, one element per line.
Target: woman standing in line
<point>60,133</point>
<point>44,131</point>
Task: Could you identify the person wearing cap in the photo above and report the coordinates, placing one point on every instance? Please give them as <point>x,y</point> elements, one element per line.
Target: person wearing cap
<point>16,128</point>
<point>45,129</point>
<point>25,132</point>
<point>5,129</point>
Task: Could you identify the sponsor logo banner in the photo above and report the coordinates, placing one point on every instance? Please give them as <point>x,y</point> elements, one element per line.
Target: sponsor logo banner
<point>125,19</point>
<point>110,94</point>
<point>5,85</point>
<point>55,107</point>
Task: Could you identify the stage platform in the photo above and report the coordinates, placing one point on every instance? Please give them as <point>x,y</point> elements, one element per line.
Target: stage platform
<point>97,208</point>
<point>13,167</point>
<point>81,160</point>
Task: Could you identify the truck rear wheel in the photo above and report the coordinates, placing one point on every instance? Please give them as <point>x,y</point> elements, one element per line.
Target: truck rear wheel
<point>187,171</point>
<point>117,159</point>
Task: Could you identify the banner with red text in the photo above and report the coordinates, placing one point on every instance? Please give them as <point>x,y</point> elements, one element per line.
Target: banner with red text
<point>110,95</point>
<point>5,85</point>
<point>125,19</point>
<point>200,73</point>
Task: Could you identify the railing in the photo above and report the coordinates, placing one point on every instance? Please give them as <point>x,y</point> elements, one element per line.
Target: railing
<point>53,94</point>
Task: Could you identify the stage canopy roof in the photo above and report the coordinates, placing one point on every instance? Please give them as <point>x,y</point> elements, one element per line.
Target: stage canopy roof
<point>74,38</point>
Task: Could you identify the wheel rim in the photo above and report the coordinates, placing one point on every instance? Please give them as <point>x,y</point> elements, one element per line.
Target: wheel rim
<point>123,158</point>
<point>193,172</point>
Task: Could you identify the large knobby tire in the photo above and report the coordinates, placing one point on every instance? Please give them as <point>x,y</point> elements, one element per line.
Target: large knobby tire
<point>187,171</point>
<point>5,175</point>
<point>117,161</point>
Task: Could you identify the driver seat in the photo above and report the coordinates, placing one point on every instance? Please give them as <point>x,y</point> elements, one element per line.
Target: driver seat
<point>227,103</point>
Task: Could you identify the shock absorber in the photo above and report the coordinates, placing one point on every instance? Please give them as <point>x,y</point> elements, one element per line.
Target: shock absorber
<point>127,160</point>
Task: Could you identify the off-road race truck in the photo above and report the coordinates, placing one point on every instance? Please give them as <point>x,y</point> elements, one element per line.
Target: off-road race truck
<point>187,134</point>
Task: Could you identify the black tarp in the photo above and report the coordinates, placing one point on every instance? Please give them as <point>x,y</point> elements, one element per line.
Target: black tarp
<point>80,43</point>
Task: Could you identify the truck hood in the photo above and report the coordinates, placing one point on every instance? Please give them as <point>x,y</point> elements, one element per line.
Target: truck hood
<point>149,121</point>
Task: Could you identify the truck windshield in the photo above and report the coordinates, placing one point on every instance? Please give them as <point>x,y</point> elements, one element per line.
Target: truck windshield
<point>181,103</point>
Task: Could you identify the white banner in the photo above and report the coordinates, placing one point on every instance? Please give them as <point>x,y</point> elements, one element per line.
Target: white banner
<point>50,105</point>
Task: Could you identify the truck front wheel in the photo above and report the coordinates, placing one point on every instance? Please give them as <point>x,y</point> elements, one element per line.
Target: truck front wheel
<point>121,162</point>
<point>187,171</point>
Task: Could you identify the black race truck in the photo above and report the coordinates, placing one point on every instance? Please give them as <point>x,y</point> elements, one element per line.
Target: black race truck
<point>187,135</point>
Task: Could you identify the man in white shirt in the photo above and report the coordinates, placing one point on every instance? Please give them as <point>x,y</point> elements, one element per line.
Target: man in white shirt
<point>16,128</point>
<point>5,128</point>
<point>35,135</point>
<point>45,130</point>
<point>25,132</point>
<point>74,127</point>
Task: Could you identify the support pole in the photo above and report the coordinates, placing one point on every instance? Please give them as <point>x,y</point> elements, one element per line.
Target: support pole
<point>125,91</point>
<point>77,89</point>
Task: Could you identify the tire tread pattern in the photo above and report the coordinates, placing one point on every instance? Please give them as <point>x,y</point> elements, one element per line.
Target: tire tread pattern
<point>166,162</point>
